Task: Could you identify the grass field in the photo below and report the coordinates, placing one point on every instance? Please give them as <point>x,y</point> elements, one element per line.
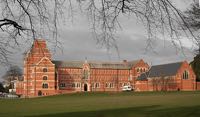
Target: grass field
<point>125,104</point>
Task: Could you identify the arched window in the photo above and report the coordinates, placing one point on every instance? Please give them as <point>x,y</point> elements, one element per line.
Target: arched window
<point>44,69</point>
<point>185,75</point>
<point>44,85</point>
<point>144,70</point>
<point>85,74</point>
<point>45,78</point>
<point>39,93</point>
<point>138,69</point>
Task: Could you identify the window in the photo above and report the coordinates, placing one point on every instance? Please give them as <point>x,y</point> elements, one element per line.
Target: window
<point>111,85</point>
<point>78,85</point>
<point>44,77</point>
<point>107,85</point>
<point>138,69</point>
<point>144,70</point>
<point>125,84</point>
<point>97,85</point>
<point>85,74</point>
<point>185,75</point>
<point>62,84</point>
<point>44,85</point>
<point>73,85</point>
<point>44,69</point>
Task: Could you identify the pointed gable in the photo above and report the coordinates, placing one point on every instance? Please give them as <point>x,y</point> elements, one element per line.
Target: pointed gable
<point>44,61</point>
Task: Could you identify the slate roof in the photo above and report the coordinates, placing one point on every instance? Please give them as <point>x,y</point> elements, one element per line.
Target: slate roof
<point>72,64</point>
<point>161,70</point>
<point>143,76</point>
<point>96,64</point>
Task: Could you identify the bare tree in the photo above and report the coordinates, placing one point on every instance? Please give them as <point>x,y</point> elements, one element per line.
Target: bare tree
<point>33,18</point>
<point>26,20</point>
<point>164,83</point>
<point>160,17</point>
<point>155,83</point>
<point>192,16</point>
<point>13,73</point>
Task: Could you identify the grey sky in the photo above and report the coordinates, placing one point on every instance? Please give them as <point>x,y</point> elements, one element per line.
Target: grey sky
<point>78,44</point>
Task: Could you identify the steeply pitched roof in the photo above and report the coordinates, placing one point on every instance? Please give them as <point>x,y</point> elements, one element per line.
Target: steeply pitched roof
<point>96,64</point>
<point>161,70</point>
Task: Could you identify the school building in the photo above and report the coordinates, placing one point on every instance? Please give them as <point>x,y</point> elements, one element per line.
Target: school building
<point>44,76</point>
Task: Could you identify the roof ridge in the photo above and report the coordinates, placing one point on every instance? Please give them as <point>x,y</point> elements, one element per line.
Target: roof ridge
<point>67,61</point>
<point>96,61</point>
<point>168,63</point>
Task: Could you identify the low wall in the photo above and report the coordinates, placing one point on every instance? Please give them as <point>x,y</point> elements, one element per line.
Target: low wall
<point>141,86</point>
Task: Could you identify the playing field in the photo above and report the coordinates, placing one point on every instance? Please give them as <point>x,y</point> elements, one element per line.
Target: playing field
<point>125,104</point>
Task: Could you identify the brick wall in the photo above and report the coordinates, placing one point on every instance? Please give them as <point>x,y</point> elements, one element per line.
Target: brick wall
<point>186,84</point>
<point>198,85</point>
<point>141,86</point>
<point>99,79</point>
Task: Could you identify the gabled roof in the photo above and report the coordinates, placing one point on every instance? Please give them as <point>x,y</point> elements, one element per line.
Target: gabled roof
<point>97,64</point>
<point>161,70</point>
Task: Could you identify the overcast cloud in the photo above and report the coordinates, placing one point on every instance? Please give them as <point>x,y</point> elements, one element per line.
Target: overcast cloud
<point>79,45</point>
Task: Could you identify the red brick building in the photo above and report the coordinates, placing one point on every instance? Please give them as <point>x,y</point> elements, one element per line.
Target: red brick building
<point>97,76</point>
<point>43,76</point>
<point>167,77</point>
<point>39,72</point>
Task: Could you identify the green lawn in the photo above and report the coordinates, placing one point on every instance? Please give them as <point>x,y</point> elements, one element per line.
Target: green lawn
<point>125,104</point>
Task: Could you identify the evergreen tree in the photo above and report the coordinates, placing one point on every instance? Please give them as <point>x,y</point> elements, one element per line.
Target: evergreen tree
<point>193,19</point>
<point>2,89</point>
<point>196,66</point>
